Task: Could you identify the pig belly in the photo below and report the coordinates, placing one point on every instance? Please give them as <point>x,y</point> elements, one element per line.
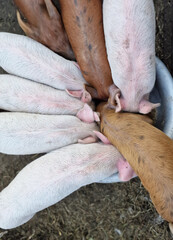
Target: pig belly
<point>129,28</point>
<point>24,57</point>
<point>52,177</point>
<point>24,133</point>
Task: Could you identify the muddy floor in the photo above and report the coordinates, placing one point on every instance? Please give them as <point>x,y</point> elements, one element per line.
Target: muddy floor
<point>98,211</point>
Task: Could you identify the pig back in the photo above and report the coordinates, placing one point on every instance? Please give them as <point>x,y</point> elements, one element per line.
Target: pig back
<point>52,177</point>
<point>129,28</point>
<point>148,150</point>
<point>24,133</point>
<point>44,24</point>
<point>24,57</point>
<point>84,25</point>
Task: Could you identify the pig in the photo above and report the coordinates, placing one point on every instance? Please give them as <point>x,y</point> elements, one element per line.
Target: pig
<point>24,57</point>
<point>27,133</point>
<point>27,96</point>
<point>44,25</point>
<point>148,150</point>
<point>129,28</point>
<point>83,23</point>
<point>52,177</point>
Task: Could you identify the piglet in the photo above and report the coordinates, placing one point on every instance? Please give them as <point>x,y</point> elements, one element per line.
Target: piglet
<point>129,28</point>
<point>83,22</point>
<point>148,150</point>
<point>44,24</point>
<point>27,133</point>
<point>24,57</point>
<point>27,96</point>
<point>52,177</point>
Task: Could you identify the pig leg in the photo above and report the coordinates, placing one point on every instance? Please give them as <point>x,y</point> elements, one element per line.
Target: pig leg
<point>125,170</point>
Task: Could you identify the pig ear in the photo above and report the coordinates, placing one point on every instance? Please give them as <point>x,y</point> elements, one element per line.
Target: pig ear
<point>81,94</point>
<point>114,98</point>
<point>90,139</point>
<point>25,26</point>
<point>87,115</point>
<point>76,93</point>
<point>102,137</point>
<point>145,106</point>
<point>171,227</point>
<point>52,11</point>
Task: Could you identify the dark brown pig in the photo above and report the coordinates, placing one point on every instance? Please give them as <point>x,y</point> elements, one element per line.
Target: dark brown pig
<point>148,150</point>
<point>83,22</point>
<point>44,24</point>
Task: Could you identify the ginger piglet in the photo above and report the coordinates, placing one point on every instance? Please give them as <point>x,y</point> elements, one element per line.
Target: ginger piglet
<point>149,152</point>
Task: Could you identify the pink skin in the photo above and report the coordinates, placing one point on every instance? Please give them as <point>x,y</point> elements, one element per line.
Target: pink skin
<point>125,170</point>
<point>52,177</point>
<point>83,95</point>
<point>117,102</point>
<point>28,96</point>
<point>87,115</point>
<point>129,28</point>
<point>24,57</point>
<point>29,133</point>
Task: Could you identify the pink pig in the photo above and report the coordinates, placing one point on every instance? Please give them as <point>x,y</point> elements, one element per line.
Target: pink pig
<point>22,95</point>
<point>24,57</point>
<point>52,177</point>
<point>27,133</point>
<point>129,27</point>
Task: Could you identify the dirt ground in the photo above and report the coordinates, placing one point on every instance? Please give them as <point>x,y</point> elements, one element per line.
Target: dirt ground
<point>99,211</point>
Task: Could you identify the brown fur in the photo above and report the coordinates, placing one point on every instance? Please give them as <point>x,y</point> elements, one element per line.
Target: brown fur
<point>148,150</point>
<point>83,22</point>
<point>44,24</point>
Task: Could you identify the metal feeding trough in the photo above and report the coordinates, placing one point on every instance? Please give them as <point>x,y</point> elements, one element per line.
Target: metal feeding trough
<point>162,93</point>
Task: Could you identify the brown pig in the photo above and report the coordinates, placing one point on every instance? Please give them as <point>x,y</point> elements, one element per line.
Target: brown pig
<point>83,22</point>
<point>148,150</point>
<point>44,24</point>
